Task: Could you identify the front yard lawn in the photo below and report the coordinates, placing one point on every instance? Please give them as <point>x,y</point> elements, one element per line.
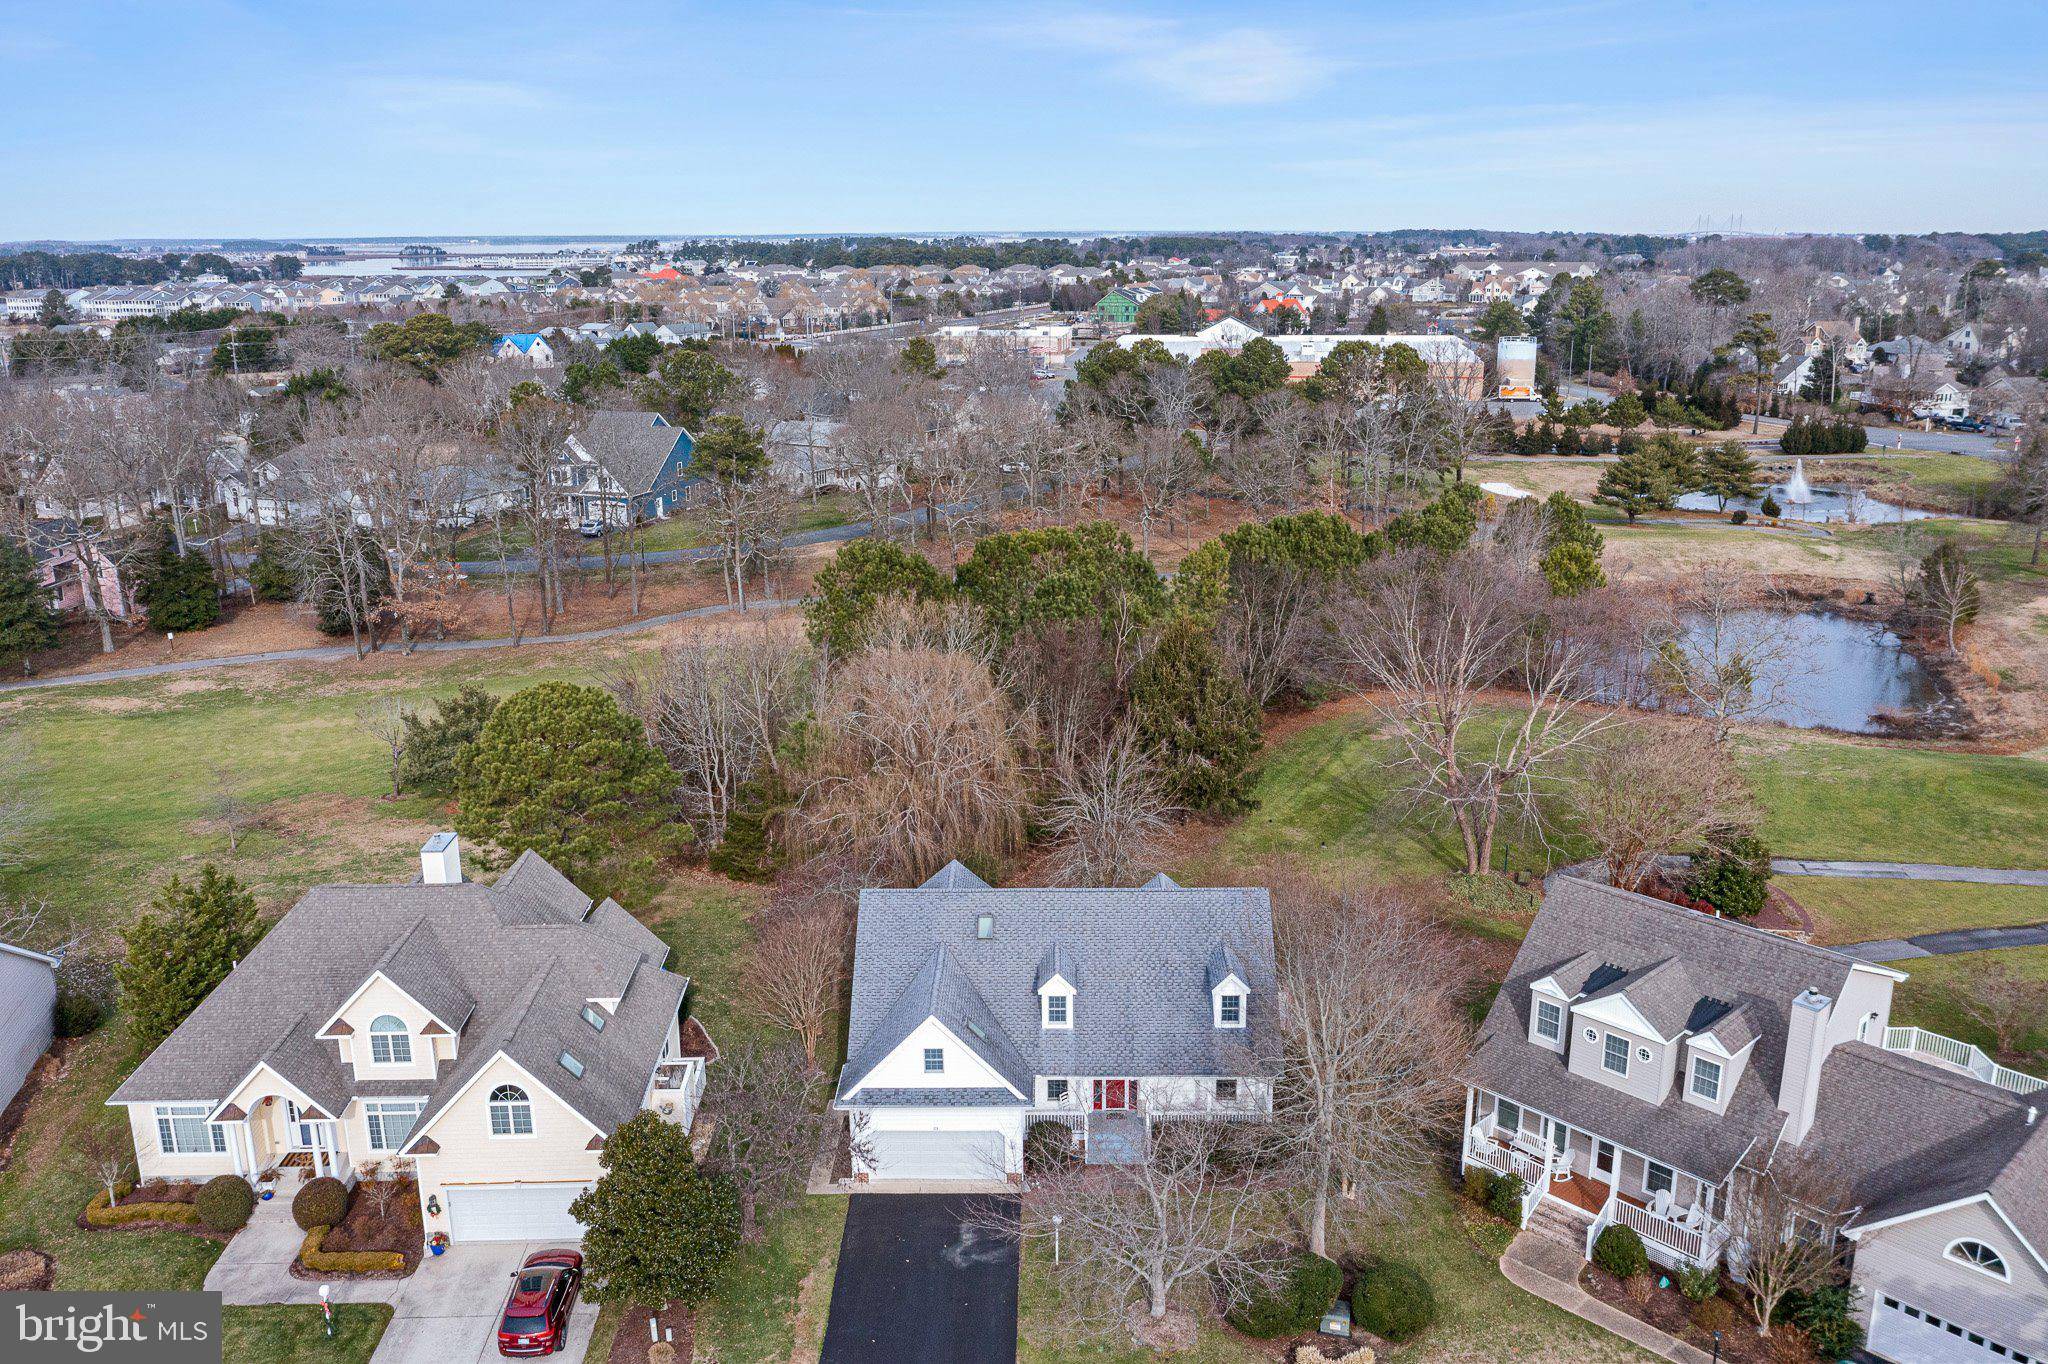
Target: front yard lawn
<point>770,1304</point>
<point>296,1335</point>
<point>1927,999</point>
<point>1852,909</point>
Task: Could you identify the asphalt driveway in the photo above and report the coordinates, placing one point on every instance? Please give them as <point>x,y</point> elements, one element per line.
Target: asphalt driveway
<point>916,1283</point>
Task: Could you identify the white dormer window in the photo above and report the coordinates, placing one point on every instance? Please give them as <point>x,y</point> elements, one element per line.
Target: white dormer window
<point>934,1060</point>
<point>1059,1010</point>
<point>1549,1020</point>
<point>1706,1079</point>
<point>1229,1010</point>
<point>390,1043</point>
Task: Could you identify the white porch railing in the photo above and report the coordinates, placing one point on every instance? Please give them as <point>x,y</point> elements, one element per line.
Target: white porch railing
<point>1696,1245</point>
<point>1963,1056</point>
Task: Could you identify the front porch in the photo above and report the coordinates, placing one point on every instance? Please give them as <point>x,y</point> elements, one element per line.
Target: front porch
<point>1595,1180</point>
<point>275,1134</point>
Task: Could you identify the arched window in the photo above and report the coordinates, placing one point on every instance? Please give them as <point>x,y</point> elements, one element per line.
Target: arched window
<point>1979,1256</point>
<point>511,1113</point>
<point>390,1044</point>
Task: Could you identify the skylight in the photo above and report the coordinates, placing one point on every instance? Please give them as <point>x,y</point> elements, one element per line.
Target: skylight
<point>593,1018</point>
<point>571,1064</point>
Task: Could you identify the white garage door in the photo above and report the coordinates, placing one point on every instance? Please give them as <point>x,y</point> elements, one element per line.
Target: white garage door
<point>513,1212</point>
<point>938,1155</point>
<point>1909,1335</point>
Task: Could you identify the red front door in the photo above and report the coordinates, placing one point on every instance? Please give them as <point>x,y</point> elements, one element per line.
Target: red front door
<point>1114,1093</point>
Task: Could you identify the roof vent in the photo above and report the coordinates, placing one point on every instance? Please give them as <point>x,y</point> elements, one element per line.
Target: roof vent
<point>571,1064</point>
<point>985,926</point>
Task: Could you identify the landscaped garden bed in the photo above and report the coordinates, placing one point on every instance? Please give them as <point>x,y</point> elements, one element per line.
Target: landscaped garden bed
<point>377,1235</point>
<point>155,1204</point>
<point>632,1345</point>
<point>1668,1310</point>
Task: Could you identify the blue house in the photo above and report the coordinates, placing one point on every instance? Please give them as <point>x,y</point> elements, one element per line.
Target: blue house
<point>531,347</point>
<point>624,466</point>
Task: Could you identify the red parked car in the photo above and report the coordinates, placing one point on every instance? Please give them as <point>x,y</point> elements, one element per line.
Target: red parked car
<point>536,1319</point>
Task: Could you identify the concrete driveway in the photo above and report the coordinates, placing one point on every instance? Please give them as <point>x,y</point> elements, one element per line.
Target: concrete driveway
<point>446,1312</point>
<point>916,1282</point>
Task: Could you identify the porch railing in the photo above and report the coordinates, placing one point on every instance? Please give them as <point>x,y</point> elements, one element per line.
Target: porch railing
<point>1696,1245</point>
<point>1963,1056</point>
<point>1504,1160</point>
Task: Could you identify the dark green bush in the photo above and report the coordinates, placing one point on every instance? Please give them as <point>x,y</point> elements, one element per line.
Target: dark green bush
<point>1698,1284</point>
<point>1478,1184</point>
<point>225,1202</point>
<point>1620,1252</point>
<point>322,1202</point>
<point>1392,1300</point>
<point>1048,1146</point>
<point>1736,880</point>
<point>1504,1199</point>
<point>1740,516</point>
<point>78,1012</point>
<point>1296,1305</point>
<point>1828,1316</point>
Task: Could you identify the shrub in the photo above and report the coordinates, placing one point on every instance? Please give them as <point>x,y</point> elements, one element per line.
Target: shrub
<point>78,1012</point>
<point>225,1202</point>
<point>1827,1315</point>
<point>344,1261</point>
<point>1478,1184</point>
<point>1048,1146</point>
<point>1620,1252</point>
<point>1393,1300</point>
<point>1735,880</point>
<point>1295,1305</point>
<point>1714,1314</point>
<point>1769,506</point>
<point>1740,516</point>
<point>1504,1199</point>
<point>99,1214</point>
<point>321,1202</point>
<point>1698,1284</point>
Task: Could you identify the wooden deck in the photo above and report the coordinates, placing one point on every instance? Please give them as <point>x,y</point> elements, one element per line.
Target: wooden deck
<point>1587,1195</point>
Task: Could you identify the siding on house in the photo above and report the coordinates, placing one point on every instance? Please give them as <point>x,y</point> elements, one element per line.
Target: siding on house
<point>1908,1262</point>
<point>557,1152</point>
<point>28,999</point>
<point>381,997</point>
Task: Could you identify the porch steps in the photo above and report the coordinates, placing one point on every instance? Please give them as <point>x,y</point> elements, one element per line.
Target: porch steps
<point>1554,1221</point>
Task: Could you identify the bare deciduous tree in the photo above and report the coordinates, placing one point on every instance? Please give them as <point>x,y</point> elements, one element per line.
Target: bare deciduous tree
<point>108,1154</point>
<point>1785,1226</point>
<point>227,807</point>
<point>797,969</point>
<point>768,1125</point>
<point>1108,814</point>
<point>384,721</point>
<point>1434,633</point>
<point>2010,1006</point>
<point>1373,1036</point>
<point>1719,657</point>
<point>1651,787</point>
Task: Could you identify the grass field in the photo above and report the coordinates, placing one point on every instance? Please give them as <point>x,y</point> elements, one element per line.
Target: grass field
<point>677,532</point>
<point>1850,909</point>
<point>295,1335</point>
<point>1958,480</point>
<point>1927,999</point>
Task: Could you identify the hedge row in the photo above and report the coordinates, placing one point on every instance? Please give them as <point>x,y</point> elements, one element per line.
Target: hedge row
<point>346,1261</point>
<point>99,1214</point>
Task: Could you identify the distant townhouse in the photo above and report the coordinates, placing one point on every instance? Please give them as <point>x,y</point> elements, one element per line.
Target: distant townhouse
<point>1451,360</point>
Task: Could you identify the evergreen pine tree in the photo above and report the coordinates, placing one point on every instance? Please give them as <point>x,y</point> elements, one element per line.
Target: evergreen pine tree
<point>1728,471</point>
<point>1197,719</point>
<point>183,946</point>
<point>177,591</point>
<point>1635,483</point>
<point>27,622</point>
<point>271,574</point>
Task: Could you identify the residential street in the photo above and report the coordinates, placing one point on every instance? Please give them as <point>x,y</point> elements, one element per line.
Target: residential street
<point>916,1283</point>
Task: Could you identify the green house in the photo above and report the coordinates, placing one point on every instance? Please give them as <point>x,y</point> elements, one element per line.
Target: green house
<point>1118,307</point>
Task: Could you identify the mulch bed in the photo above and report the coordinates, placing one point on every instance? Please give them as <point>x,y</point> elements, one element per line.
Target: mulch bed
<point>363,1227</point>
<point>629,1346</point>
<point>1668,1311</point>
<point>26,1271</point>
<point>161,1191</point>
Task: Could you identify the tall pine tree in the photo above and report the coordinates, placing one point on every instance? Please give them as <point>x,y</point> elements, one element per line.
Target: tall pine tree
<point>27,623</point>
<point>181,947</point>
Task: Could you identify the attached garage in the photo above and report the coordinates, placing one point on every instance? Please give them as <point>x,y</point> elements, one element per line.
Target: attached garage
<point>937,1155</point>
<point>512,1212</point>
<point>1908,1334</point>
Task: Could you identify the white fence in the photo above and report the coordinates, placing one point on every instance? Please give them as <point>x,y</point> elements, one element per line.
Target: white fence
<point>1963,1056</point>
<point>1694,1245</point>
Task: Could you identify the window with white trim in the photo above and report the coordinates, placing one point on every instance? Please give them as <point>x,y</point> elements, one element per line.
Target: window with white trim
<point>1706,1079</point>
<point>1230,1011</point>
<point>390,1044</point>
<point>934,1060</point>
<point>1056,1091</point>
<point>1657,1178</point>
<point>182,1130</point>
<point>1614,1055</point>
<point>1980,1257</point>
<point>1059,1010</point>
<point>1549,1021</point>
<point>1226,1091</point>
<point>511,1112</point>
<point>1507,1115</point>
<point>391,1121</point>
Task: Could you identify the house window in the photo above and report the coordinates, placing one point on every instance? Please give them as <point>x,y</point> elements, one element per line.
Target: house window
<point>1226,1091</point>
<point>1979,1256</point>
<point>390,1045</point>
<point>511,1112</point>
<point>1230,1011</point>
<point>1615,1055</point>
<point>934,1060</point>
<point>182,1130</point>
<point>1056,1015</point>
<point>1549,1021</point>
<point>1056,1091</point>
<point>1706,1079</point>
<point>1657,1178</point>
<point>1507,1116</point>
<point>390,1121</point>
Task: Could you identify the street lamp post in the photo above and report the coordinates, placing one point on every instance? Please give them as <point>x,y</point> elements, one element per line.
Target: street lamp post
<point>1056,1220</point>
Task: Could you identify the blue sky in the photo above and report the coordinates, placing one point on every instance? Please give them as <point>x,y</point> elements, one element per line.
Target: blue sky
<point>210,117</point>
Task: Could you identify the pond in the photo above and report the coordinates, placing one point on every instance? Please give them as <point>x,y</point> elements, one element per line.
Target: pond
<point>1823,505</point>
<point>1826,671</point>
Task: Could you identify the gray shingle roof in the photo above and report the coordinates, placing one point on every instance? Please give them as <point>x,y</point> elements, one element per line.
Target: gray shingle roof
<point>1142,1007</point>
<point>1597,930</point>
<point>631,446</point>
<point>1911,1136</point>
<point>507,967</point>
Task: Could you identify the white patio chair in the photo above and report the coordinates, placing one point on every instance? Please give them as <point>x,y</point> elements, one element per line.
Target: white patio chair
<point>1660,1203</point>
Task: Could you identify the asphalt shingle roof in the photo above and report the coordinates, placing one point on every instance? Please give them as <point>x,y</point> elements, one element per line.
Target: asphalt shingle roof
<point>631,446</point>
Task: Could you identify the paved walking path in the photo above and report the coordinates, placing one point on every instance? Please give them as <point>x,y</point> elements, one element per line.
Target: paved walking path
<point>1909,871</point>
<point>1550,1270</point>
<point>632,627</point>
<point>1947,942</point>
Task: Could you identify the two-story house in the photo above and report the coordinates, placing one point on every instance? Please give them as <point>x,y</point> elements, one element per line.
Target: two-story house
<point>624,466</point>
<point>977,1012</point>
<point>1642,1059</point>
<point>487,1037</point>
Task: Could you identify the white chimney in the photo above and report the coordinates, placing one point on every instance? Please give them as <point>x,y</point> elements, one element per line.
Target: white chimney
<point>1806,1047</point>
<point>441,861</point>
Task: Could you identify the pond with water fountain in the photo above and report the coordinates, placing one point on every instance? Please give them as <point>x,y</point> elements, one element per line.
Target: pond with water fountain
<point>1799,500</point>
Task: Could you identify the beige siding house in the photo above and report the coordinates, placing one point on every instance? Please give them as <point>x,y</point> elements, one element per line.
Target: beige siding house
<point>483,1037</point>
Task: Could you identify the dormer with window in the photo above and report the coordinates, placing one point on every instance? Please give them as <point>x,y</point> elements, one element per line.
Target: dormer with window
<point>383,1033</point>
<point>1714,1060</point>
<point>1059,980</point>
<point>1229,995</point>
<point>1549,1015</point>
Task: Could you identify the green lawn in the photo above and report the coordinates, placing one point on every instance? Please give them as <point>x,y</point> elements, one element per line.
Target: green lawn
<point>1826,797</point>
<point>772,1301</point>
<point>1480,1315</point>
<point>1852,909</point>
<point>677,532</point>
<point>1957,479</point>
<point>296,1335</point>
<point>1927,999</point>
